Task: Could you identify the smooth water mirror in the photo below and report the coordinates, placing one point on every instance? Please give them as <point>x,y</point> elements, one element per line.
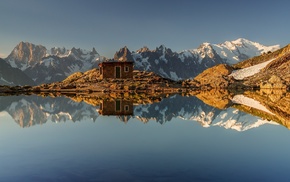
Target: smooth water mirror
<point>177,138</point>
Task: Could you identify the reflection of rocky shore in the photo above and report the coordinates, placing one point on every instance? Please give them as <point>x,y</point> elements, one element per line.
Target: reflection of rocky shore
<point>95,98</point>
<point>220,99</point>
<point>277,101</point>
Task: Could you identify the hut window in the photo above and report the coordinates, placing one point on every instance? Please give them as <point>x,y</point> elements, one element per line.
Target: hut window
<point>126,108</point>
<point>126,69</point>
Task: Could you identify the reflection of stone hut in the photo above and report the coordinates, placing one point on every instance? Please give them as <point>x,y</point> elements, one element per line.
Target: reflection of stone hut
<point>116,69</point>
<point>116,107</point>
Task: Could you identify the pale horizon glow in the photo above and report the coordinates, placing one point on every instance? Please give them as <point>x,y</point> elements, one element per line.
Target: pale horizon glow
<point>2,55</point>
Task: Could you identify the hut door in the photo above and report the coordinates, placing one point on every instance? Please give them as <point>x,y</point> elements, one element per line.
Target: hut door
<point>118,105</point>
<point>118,72</point>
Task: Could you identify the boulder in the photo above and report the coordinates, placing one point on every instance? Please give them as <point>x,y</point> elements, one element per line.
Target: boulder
<point>275,79</point>
<point>274,82</point>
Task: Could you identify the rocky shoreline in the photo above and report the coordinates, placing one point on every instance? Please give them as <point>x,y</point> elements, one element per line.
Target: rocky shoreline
<point>147,82</point>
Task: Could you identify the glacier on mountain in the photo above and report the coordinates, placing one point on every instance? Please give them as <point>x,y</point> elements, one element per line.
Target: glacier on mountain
<point>232,51</point>
<point>249,71</point>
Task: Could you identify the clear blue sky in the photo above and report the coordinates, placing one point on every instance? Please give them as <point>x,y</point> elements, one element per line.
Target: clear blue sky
<point>109,25</point>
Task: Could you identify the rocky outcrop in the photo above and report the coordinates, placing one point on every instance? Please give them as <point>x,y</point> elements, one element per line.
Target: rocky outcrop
<point>276,74</point>
<point>215,77</point>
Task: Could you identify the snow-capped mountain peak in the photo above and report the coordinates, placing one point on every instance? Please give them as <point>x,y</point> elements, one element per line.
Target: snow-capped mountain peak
<point>57,51</point>
<point>25,54</point>
<point>241,49</point>
<point>241,42</point>
<point>49,65</point>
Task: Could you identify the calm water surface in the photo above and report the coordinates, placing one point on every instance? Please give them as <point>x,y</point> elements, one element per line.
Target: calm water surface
<point>176,139</point>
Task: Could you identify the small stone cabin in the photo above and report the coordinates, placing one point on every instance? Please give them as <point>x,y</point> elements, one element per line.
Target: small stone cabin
<point>116,69</point>
<point>116,107</point>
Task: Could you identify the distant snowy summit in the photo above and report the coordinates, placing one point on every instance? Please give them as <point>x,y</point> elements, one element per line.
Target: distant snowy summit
<point>233,51</point>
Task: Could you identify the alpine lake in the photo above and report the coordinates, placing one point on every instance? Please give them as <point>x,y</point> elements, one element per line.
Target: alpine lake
<point>204,136</point>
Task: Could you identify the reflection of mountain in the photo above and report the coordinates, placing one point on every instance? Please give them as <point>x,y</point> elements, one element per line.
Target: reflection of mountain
<point>31,110</point>
<point>191,108</point>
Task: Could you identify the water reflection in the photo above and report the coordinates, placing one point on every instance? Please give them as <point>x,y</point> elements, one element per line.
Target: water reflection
<point>221,108</point>
<point>171,146</point>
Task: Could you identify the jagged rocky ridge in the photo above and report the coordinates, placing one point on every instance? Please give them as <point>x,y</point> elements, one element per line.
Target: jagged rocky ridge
<point>50,65</point>
<point>46,66</point>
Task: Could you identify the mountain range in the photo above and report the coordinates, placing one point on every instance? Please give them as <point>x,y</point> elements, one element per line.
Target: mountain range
<point>44,65</point>
<point>189,63</point>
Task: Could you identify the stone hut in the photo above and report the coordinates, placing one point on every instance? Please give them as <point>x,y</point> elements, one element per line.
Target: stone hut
<point>116,107</point>
<point>116,69</point>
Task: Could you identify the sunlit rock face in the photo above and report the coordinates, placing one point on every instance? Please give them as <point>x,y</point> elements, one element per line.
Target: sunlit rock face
<point>26,54</point>
<point>215,77</point>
